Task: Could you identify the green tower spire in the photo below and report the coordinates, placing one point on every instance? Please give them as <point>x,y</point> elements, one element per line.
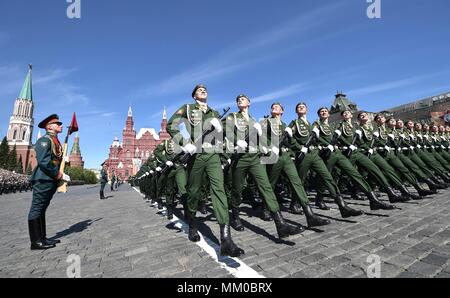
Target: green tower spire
<point>27,92</point>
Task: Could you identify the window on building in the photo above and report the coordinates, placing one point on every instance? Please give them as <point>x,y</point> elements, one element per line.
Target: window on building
<point>23,135</point>
<point>14,134</point>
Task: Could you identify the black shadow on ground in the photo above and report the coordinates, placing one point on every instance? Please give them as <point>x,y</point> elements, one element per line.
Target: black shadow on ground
<point>76,228</point>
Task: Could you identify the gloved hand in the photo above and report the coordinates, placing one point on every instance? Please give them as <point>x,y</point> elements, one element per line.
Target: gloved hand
<point>66,159</point>
<point>217,126</point>
<point>418,146</point>
<point>331,148</point>
<point>411,148</point>
<point>338,132</point>
<point>388,149</point>
<point>276,150</point>
<point>158,169</point>
<point>402,136</point>
<point>391,136</point>
<point>151,172</point>
<point>353,148</point>
<point>169,163</point>
<point>304,150</point>
<point>264,150</point>
<point>371,151</point>
<point>189,148</point>
<point>242,144</point>
<point>258,128</point>
<point>376,134</point>
<point>66,178</point>
<point>359,133</point>
<point>229,161</point>
<point>289,131</point>
<point>316,131</point>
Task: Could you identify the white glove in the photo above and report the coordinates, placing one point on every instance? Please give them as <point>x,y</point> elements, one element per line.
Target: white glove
<point>158,169</point>
<point>66,159</point>
<point>338,132</point>
<point>371,151</point>
<point>316,131</point>
<point>217,126</point>
<point>289,131</point>
<point>304,150</point>
<point>402,136</point>
<point>147,173</point>
<point>418,146</point>
<point>264,150</point>
<point>189,148</point>
<point>353,148</point>
<point>169,163</point>
<point>411,148</point>
<point>388,149</point>
<point>331,148</point>
<point>376,134</point>
<point>359,133</point>
<point>229,161</point>
<point>275,150</point>
<point>442,146</point>
<point>258,128</point>
<point>66,177</point>
<point>420,136</point>
<point>432,146</point>
<point>151,172</point>
<point>391,136</point>
<point>241,144</point>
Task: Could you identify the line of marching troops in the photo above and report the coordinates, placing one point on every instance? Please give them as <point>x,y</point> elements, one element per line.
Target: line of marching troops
<point>355,155</point>
<point>12,182</point>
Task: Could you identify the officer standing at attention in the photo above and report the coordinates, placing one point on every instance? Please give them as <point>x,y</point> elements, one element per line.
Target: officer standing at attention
<point>197,117</point>
<point>103,181</point>
<point>45,179</point>
<point>113,180</point>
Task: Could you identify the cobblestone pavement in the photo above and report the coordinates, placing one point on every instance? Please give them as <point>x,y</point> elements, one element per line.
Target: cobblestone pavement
<point>125,237</point>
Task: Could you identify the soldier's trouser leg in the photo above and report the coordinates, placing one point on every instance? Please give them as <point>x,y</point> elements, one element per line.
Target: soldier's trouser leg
<point>387,170</point>
<point>431,162</point>
<point>446,155</point>
<point>210,165</point>
<point>161,182</point>
<point>346,166</point>
<point>415,169</point>
<point>319,167</point>
<point>259,175</point>
<point>397,164</point>
<point>43,192</point>
<point>419,162</point>
<point>181,180</point>
<point>364,162</point>
<point>441,160</point>
<point>294,180</point>
<point>228,184</point>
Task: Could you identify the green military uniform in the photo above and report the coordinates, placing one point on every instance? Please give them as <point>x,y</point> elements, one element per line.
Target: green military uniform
<point>444,146</point>
<point>103,181</point>
<point>203,163</point>
<point>434,146</point>
<point>427,157</point>
<point>238,127</point>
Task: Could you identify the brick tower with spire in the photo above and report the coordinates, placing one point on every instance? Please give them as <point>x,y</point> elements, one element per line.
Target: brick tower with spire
<point>75,158</point>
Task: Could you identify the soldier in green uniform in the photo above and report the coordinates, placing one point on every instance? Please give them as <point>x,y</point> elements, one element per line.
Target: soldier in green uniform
<point>103,181</point>
<point>434,146</point>
<point>333,156</point>
<point>444,143</point>
<point>113,180</point>
<point>347,144</point>
<point>45,179</point>
<point>205,161</point>
<point>275,127</point>
<point>175,179</point>
<point>242,139</point>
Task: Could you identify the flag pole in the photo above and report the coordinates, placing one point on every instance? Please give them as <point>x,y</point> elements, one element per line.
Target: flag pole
<point>62,187</point>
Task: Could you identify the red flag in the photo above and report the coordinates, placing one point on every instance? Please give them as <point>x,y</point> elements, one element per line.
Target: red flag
<point>73,125</point>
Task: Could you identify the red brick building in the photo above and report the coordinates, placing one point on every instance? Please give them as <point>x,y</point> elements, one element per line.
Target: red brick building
<point>126,158</point>
<point>75,158</point>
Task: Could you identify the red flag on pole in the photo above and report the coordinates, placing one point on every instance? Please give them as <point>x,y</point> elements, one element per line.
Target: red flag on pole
<point>73,125</point>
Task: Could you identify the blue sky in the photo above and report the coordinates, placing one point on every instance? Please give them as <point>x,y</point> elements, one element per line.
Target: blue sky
<point>152,53</point>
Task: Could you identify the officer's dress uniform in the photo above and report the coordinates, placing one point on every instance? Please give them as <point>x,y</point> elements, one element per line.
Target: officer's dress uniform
<point>240,126</point>
<point>45,183</point>
<point>103,181</point>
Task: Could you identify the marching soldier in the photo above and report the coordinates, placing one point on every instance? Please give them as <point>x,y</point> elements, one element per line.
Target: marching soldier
<point>113,180</point>
<point>103,181</point>
<point>433,141</point>
<point>444,143</point>
<point>45,179</point>
<point>196,117</point>
<point>276,127</point>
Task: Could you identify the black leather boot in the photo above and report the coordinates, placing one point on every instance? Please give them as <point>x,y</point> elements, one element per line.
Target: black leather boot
<point>284,229</point>
<point>160,204</point>
<point>394,198</point>
<point>235,220</point>
<point>169,211</point>
<point>295,207</point>
<point>227,246</point>
<point>202,208</point>
<point>376,204</point>
<point>312,219</point>
<point>265,214</point>
<point>445,178</point>
<point>320,203</point>
<point>183,200</point>
<point>431,185</point>
<point>44,232</point>
<point>421,191</point>
<point>438,183</point>
<point>193,232</point>
<point>345,210</point>
<point>37,243</point>
<point>102,195</point>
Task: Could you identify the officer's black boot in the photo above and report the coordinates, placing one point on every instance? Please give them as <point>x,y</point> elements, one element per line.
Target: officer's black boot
<point>227,246</point>
<point>295,207</point>
<point>160,203</point>
<point>202,208</point>
<point>320,203</point>
<point>193,232</point>
<point>421,191</point>
<point>438,183</point>
<point>169,211</point>
<point>102,195</point>
<point>34,228</point>
<point>284,229</point>
<point>431,185</point>
<point>312,219</point>
<point>265,214</point>
<point>345,210</point>
<point>235,220</point>
<point>376,204</point>
<point>44,231</point>
<point>445,178</point>
<point>183,200</point>
<point>394,198</point>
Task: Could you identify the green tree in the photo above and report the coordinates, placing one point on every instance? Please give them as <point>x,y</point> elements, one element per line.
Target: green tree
<point>19,167</point>
<point>75,173</point>
<point>89,177</point>
<point>4,154</point>
<point>12,160</point>
<point>29,170</point>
